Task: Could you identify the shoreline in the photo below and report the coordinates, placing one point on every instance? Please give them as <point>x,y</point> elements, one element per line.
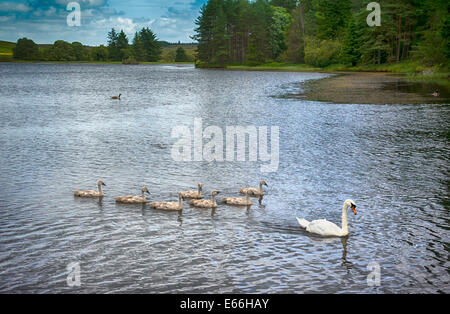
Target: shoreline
<point>410,71</point>
<point>372,88</point>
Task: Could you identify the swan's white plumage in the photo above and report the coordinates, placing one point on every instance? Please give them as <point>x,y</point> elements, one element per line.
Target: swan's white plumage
<point>324,228</point>
<point>328,229</point>
<point>303,222</point>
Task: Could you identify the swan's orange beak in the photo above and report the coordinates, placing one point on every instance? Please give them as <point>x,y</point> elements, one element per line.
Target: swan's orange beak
<point>354,209</point>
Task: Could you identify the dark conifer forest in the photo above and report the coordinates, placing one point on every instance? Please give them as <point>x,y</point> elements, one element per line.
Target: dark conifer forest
<point>322,32</point>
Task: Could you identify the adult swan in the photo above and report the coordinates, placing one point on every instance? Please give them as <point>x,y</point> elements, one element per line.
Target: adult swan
<point>328,229</point>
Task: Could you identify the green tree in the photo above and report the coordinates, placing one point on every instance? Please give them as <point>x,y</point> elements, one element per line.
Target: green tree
<point>204,34</point>
<point>80,52</point>
<point>322,52</point>
<point>213,33</point>
<point>61,51</point>
<point>138,47</point>
<point>122,46</point>
<point>296,34</point>
<point>181,55</point>
<point>445,34</point>
<point>433,45</point>
<point>26,49</point>
<point>113,50</point>
<point>376,43</point>
<point>350,49</point>
<point>99,53</point>
<point>287,4</point>
<point>146,46</point>
<point>259,49</point>
<point>220,37</point>
<point>278,28</point>
<point>331,17</point>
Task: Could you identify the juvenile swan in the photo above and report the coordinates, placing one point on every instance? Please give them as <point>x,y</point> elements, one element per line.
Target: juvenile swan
<point>131,199</point>
<point>325,228</point>
<point>206,203</point>
<point>91,193</point>
<point>193,194</point>
<point>237,201</point>
<point>169,205</point>
<point>254,191</point>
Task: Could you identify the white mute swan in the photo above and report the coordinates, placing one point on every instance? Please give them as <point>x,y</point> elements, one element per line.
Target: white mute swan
<point>328,229</point>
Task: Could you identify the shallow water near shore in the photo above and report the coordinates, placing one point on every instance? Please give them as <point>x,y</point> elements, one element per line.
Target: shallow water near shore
<point>373,88</point>
<point>60,131</point>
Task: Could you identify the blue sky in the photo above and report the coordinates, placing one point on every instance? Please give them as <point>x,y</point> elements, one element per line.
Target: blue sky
<point>44,21</point>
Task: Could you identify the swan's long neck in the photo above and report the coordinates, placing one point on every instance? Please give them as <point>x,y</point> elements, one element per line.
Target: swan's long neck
<point>100,191</point>
<point>344,219</point>
<point>260,188</point>
<point>143,195</point>
<point>180,204</point>
<point>247,197</point>
<point>199,189</point>
<point>213,199</point>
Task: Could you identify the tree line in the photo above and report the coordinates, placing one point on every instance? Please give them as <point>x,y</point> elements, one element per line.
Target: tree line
<point>144,47</point>
<point>322,32</point>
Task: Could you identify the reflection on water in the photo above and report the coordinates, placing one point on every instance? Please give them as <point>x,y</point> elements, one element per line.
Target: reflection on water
<point>425,89</point>
<point>60,131</point>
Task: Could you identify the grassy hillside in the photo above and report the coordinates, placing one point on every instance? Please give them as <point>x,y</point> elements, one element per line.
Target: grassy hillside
<point>6,50</point>
<point>169,52</point>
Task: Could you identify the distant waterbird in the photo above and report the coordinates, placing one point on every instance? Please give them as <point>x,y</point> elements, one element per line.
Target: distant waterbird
<point>237,201</point>
<point>131,199</point>
<point>116,97</point>
<point>169,206</point>
<point>254,191</point>
<point>436,93</point>
<point>193,194</point>
<point>91,193</point>
<point>206,203</point>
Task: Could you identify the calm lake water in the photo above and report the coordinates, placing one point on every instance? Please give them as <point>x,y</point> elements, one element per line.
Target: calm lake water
<point>60,131</point>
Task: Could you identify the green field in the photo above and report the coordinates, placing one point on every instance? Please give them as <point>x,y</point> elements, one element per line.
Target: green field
<point>169,52</point>
<point>6,50</point>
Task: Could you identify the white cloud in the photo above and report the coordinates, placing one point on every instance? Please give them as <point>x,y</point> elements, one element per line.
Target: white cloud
<point>49,12</point>
<point>14,7</point>
<point>7,18</point>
